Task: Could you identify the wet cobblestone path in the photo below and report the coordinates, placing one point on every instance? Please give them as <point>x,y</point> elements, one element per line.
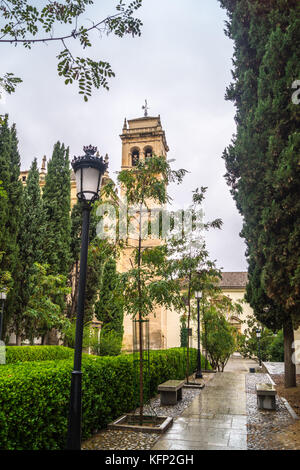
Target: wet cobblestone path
<point>217,417</point>
<point>222,416</point>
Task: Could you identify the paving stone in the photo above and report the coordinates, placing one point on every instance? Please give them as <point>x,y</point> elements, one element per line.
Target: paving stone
<point>132,440</point>
<point>217,417</point>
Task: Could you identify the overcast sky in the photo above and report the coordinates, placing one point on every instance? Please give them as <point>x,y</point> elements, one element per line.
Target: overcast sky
<point>181,64</point>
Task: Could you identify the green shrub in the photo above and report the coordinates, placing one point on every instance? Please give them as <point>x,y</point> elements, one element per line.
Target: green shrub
<point>110,343</point>
<point>34,396</point>
<point>70,333</point>
<point>36,353</point>
<point>276,348</point>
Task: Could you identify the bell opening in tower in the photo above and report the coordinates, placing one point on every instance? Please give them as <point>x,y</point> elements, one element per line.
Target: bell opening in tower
<point>135,157</point>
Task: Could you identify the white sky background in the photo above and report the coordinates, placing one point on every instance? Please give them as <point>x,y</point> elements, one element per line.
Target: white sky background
<point>181,64</point>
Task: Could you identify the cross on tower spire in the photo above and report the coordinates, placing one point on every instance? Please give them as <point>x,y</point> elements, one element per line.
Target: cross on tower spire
<point>145,108</point>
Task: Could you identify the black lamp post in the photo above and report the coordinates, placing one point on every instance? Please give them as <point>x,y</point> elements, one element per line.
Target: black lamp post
<point>258,335</point>
<point>198,296</point>
<point>88,170</point>
<point>2,298</point>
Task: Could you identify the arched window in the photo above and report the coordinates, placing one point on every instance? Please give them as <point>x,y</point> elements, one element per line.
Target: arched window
<point>148,152</point>
<point>135,157</point>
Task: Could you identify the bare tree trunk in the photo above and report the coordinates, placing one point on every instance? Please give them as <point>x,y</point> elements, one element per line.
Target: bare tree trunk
<point>18,340</point>
<point>289,365</point>
<point>140,320</point>
<point>188,331</point>
<point>205,341</point>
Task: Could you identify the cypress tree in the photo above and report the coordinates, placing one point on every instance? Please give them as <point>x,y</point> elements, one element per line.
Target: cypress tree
<point>262,162</point>
<point>30,245</point>
<point>56,202</point>
<point>10,213</point>
<point>109,308</point>
<point>98,253</point>
<point>5,180</point>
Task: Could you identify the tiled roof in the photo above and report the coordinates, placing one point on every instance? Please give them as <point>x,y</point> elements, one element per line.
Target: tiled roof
<point>234,279</point>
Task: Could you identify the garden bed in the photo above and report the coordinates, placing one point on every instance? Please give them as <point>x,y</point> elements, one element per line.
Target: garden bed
<point>151,423</point>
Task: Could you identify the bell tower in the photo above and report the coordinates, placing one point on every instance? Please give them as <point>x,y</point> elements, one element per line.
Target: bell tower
<point>142,137</point>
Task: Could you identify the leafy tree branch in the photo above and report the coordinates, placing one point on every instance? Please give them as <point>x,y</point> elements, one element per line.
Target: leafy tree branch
<point>25,24</point>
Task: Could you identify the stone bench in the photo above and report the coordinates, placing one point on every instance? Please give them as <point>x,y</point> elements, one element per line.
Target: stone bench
<point>266,396</point>
<point>170,392</point>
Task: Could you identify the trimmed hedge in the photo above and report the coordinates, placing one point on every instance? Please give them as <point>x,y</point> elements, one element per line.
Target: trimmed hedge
<point>36,353</point>
<point>34,396</point>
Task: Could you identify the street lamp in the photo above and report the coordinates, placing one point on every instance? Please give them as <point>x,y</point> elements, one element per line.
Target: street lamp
<point>258,335</point>
<point>89,170</point>
<point>2,298</point>
<point>198,296</point>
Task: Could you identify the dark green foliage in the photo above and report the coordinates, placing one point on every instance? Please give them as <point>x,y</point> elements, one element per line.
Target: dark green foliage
<point>263,160</point>
<point>276,348</point>
<point>271,345</point>
<point>183,335</point>
<point>45,309</point>
<point>30,241</point>
<point>56,201</point>
<point>99,251</point>
<point>16,354</point>
<point>109,308</point>
<point>10,211</point>
<point>34,396</point>
<point>110,343</point>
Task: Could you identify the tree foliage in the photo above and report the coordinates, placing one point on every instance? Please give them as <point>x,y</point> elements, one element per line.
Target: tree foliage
<point>10,213</point>
<point>109,307</point>
<point>56,203</point>
<point>263,160</point>
<point>269,345</point>
<point>218,336</point>
<point>46,305</point>
<point>149,282</point>
<point>28,23</point>
<point>30,240</point>
<point>189,258</point>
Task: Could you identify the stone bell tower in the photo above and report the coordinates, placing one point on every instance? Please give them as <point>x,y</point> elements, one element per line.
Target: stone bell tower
<point>141,138</point>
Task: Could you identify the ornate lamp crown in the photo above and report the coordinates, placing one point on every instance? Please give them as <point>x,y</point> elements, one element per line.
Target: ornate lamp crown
<point>90,150</point>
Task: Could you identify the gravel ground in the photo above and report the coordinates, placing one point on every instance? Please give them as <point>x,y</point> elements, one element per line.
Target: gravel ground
<point>108,439</point>
<point>263,426</point>
<point>174,410</point>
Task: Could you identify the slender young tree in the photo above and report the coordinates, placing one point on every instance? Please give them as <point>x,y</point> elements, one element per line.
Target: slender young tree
<point>148,283</point>
<point>190,258</point>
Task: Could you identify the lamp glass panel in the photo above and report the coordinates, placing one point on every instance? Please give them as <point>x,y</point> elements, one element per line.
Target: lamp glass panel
<point>78,180</point>
<point>198,294</point>
<point>89,185</point>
